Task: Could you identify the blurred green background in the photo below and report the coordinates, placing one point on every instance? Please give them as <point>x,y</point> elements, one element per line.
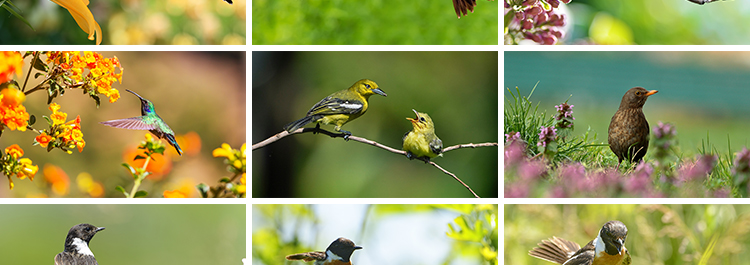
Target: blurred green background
<point>389,22</point>
<point>457,89</point>
<point>388,233</point>
<point>125,22</point>
<point>657,234</point>
<point>201,92</point>
<point>658,22</point>
<point>699,92</point>
<point>134,234</point>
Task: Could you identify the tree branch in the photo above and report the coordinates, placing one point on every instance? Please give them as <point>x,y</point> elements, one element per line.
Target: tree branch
<point>316,130</point>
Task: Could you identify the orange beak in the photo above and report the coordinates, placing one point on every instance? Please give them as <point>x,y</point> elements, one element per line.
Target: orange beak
<point>415,120</point>
<point>652,92</point>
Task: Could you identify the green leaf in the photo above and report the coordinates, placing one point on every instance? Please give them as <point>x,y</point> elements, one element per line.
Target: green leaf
<point>32,120</point>
<point>40,65</point>
<point>224,180</point>
<point>10,7</point>
<point>121,189</point>
<point>131,169</point>
<point>140,194</point>
<point>139,157</point>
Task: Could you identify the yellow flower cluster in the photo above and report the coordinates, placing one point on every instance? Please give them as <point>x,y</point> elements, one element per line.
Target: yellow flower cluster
<point>237,161</point>
<point>62,134</point>
<point>102,72</point>
<point>13,164</point>
<point>10,63</point>
<point>12,114</point>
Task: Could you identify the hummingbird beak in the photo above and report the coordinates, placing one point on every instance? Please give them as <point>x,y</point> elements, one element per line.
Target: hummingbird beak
<point>139,96</point>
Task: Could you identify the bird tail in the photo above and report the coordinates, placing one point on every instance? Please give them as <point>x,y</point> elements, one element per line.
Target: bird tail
<point>173,142</point>
<point>555,250</point>
<point>298,123</point>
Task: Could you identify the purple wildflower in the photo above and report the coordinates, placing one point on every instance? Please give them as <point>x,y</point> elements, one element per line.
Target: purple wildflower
<point>530,171</point>
<point>640,180</point>
<point>699,169</point>
<point>547,135</point>
<point>512,136</point>
<point>742,162</point>
<point>517,190</point>
<point>532,21</point>
<point>514,154</point>
<point>564,115</point>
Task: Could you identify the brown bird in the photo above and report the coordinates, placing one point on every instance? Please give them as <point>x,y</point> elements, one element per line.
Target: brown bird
<point>608,248</point>
<point>628,130</point>
<point>463,6</point>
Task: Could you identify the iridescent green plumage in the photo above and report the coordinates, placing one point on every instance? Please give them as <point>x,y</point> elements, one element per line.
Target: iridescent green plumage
<point>149,121</point>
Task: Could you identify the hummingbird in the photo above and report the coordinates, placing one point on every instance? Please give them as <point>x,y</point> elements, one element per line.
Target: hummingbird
<point>148,120</point>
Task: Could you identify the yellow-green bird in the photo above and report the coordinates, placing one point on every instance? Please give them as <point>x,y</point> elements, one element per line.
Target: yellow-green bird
<point>340,107</point>
<point>422,142</point>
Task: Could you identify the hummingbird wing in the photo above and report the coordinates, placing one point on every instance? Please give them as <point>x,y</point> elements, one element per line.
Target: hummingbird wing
<point>134,123</point>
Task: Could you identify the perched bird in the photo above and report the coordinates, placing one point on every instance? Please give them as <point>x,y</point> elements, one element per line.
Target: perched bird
<point>608,248</point>
<point>340,107</point>
<point>338,253</point>
<point>422,142</point>
<point>462,6</point>
<point>148,120</point>
<point>77,250</point>
<point>628,130</point>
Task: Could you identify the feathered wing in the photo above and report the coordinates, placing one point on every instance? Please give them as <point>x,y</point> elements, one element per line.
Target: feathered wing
<point>327,106</point>
<point>436,146</point>
<point>134,123</point>
<point>463,6</point>
<point>331,106</point>
<point>555,249</point>
<point>308,256</point>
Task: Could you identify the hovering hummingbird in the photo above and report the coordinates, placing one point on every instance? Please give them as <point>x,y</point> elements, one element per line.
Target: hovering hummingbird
<point>148,120</point>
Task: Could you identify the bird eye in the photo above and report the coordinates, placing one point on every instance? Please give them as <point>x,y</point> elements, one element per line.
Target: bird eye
<point>367,86</point>
<point>422,119</point>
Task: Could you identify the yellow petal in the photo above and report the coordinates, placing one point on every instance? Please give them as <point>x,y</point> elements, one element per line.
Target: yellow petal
<point>81,13</point>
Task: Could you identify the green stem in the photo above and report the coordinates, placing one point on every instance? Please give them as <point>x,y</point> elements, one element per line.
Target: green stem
<point>140,178</point>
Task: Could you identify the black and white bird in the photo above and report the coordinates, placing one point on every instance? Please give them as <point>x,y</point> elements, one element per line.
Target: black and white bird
<point>77,250</point>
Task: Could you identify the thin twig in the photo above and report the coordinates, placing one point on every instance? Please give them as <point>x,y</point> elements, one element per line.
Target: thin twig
<point>283,134</point>
<point>454,176</point>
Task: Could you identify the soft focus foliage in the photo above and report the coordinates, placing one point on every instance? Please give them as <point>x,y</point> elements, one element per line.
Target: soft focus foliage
<point>384,22</point>
<point>664,22</point>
